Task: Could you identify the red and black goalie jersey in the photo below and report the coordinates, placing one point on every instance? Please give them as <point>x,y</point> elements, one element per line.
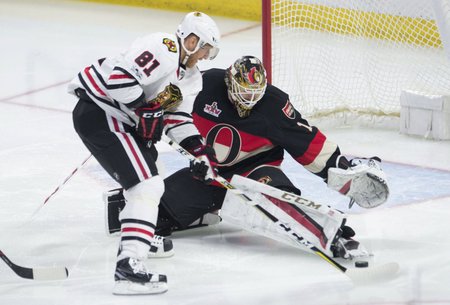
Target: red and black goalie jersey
<point>274,125</point>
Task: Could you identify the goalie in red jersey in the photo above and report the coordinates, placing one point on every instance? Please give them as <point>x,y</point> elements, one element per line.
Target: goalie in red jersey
<point>248,125</point>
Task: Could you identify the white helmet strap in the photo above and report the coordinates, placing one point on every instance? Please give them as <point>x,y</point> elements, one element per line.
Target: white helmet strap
<point>188,53</point>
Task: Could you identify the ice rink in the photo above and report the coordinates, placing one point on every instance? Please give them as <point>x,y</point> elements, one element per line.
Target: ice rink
<point>45,44</point>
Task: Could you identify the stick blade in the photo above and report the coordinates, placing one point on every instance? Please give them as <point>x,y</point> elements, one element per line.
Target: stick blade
<point>50,274</point>
<point>373,274</point>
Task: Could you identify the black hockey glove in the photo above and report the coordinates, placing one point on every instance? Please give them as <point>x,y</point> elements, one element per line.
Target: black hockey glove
<point>150,126</point>
<point>204,168</point>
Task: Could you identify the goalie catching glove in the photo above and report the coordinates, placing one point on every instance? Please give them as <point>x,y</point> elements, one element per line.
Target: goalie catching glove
<point>150,125</point>
<point>363,181</point>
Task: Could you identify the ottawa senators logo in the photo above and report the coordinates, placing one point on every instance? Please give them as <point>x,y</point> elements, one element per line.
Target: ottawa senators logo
<point>289,111</point>
<point>170,44</point>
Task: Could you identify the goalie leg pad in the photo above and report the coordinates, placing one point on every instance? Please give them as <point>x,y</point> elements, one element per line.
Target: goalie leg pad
<point>319,229</point>
<point>310,206</point>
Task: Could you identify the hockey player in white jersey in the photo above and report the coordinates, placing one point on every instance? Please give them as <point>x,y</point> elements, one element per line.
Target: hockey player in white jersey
<point>125,103</point>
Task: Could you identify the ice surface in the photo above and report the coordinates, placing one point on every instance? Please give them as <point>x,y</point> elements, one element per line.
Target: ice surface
<point>46,43</point>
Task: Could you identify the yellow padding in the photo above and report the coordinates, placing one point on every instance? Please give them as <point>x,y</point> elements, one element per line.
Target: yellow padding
<point>248,9</point>
<point>417,31</point>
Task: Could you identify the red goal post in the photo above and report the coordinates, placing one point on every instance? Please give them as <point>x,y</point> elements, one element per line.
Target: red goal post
<point>267,37</point>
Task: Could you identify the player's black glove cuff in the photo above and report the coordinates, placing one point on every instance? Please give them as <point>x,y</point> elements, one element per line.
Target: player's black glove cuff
<point>204,168</point>
<point>151,123</point>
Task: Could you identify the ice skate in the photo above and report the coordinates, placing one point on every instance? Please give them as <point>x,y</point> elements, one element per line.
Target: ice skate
<point>346,247</point>
<point>132,277</point>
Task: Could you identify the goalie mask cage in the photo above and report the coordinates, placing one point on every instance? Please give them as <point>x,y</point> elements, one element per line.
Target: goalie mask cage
<point>340,57</point>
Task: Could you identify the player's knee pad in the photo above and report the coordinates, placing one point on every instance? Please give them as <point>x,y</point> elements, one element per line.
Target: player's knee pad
<point>146,192</point>
<point>273,176</point>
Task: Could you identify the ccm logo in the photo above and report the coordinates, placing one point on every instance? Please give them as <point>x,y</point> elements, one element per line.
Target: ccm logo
<point>150,115</point>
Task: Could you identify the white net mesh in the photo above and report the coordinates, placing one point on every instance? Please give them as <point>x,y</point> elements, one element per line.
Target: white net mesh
<point>357,55</point>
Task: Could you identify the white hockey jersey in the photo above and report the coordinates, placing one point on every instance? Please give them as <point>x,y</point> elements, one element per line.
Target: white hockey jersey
<point>117,84</point>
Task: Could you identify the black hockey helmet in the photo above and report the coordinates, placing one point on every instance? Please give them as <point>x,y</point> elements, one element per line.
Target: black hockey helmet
<point>246,81</point>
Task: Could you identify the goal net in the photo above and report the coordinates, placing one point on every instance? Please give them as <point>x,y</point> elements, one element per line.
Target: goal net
<point>356,56</point>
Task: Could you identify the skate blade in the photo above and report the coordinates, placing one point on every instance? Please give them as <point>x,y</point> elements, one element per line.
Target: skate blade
<point>161,254</point>
<point>132,288</point>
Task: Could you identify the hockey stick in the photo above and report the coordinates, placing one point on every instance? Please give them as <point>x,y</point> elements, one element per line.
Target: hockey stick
<point>60,186</point>
<point>67,179</point>
<point>40,274</point>
<point>355,274</point>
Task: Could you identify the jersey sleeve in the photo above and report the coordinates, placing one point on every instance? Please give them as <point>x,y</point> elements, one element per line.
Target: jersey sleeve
<point>179,123</point>
<point>305,143</point>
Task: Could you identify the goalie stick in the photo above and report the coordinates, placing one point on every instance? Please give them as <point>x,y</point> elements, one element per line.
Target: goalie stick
<point>250,185</point>
<point>357,275</point>
<point>40,274</point>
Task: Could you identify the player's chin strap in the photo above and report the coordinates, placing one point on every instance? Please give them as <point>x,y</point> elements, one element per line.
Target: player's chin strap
<point>355,274</point>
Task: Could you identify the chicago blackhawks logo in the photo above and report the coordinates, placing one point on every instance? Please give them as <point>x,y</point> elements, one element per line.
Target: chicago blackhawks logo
<point>212,109</point>
<point>170,44</point>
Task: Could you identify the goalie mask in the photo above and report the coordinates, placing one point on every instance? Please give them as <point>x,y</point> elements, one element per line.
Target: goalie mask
<point>204,28</point>
<point>246,82</point>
